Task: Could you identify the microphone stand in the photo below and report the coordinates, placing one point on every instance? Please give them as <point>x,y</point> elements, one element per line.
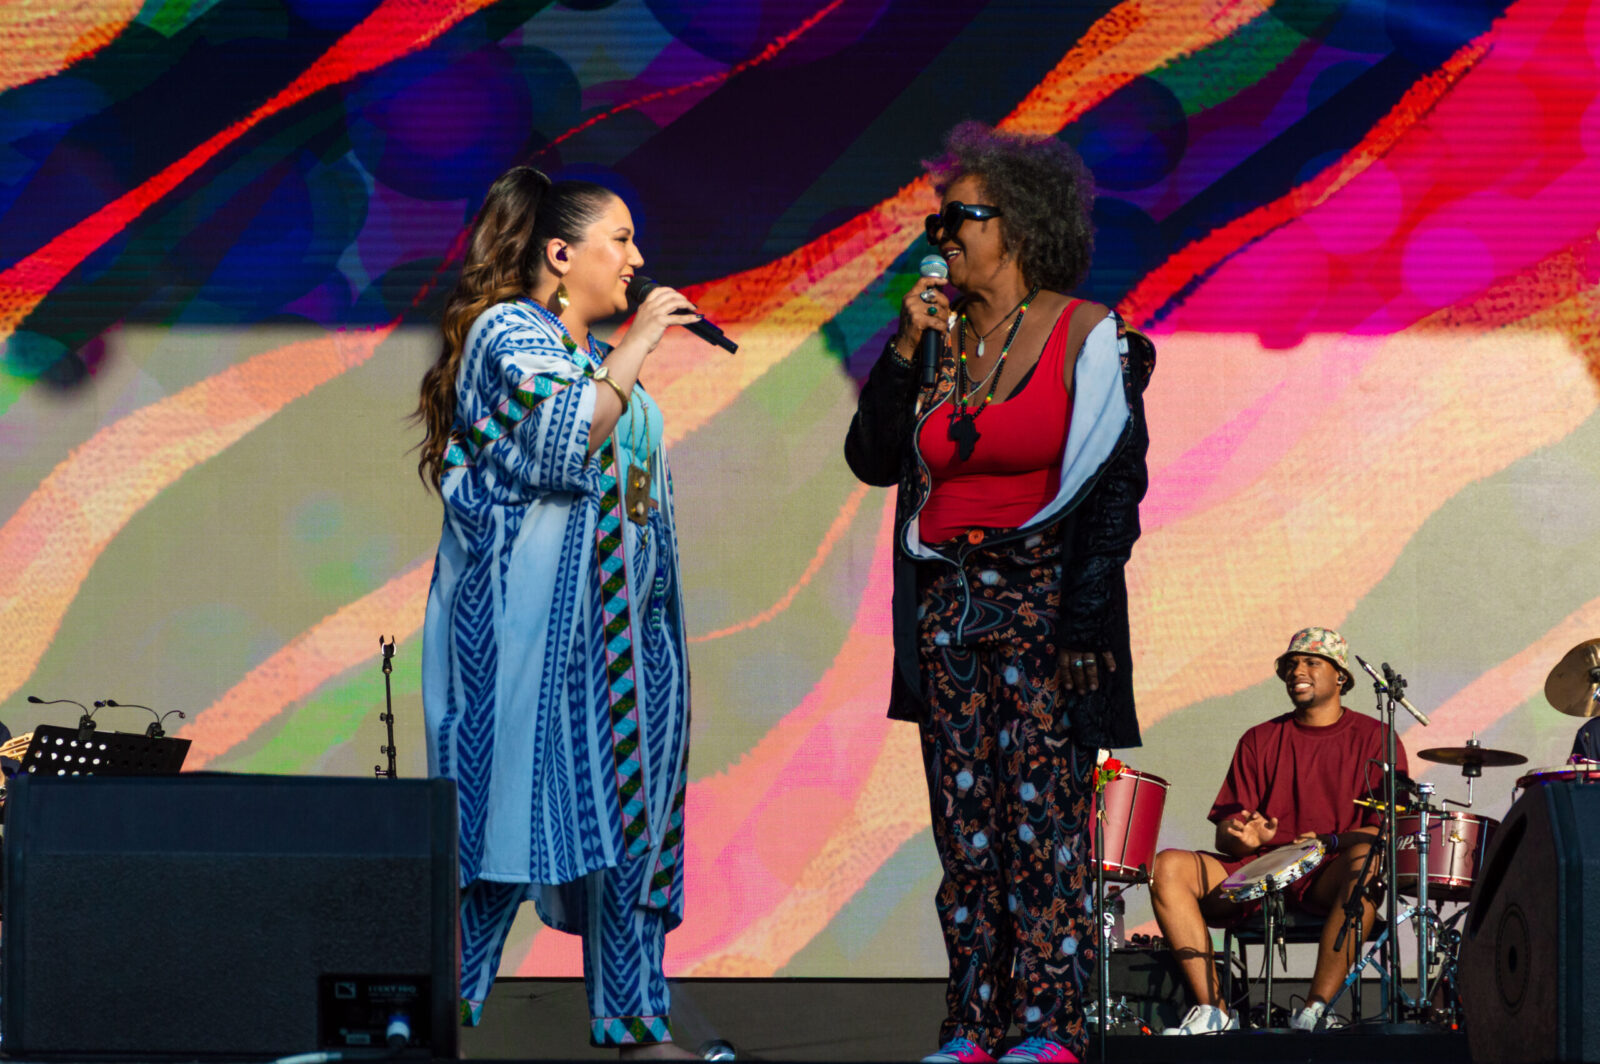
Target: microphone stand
<point>388,715</point>
<point>1387,706</point>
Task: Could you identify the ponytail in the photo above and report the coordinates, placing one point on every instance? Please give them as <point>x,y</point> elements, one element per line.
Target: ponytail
<point>522,213</point>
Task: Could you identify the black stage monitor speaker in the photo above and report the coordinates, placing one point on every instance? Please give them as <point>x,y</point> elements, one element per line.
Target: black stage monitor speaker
<point>216,915</point>
<point>1533,922</point>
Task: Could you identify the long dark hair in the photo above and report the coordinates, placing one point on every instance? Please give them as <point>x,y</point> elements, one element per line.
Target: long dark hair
<point>522,213</point>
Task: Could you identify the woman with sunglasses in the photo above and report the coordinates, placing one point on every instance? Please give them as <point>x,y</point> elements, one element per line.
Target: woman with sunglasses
<point>555,680</point>
<point>1019,474</point>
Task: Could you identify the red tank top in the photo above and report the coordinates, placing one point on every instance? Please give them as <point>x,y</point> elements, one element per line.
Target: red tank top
<point>1015,469</point>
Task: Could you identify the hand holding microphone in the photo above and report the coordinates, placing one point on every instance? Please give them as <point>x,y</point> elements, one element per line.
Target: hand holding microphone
<point>925,319</point>
<point>641,290</point>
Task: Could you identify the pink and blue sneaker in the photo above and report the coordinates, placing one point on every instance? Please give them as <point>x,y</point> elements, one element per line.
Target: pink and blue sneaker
<point>1039,1051</point>
<point>959,1051</point>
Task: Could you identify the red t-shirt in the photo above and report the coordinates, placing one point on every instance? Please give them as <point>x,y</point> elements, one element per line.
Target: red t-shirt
<point>1307,777</point>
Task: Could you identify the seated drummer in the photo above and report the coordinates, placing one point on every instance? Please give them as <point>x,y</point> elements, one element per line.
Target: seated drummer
<point>1293,778</point>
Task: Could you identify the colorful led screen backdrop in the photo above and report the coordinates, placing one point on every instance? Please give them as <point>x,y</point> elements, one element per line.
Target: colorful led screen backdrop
<point>1364,236</point>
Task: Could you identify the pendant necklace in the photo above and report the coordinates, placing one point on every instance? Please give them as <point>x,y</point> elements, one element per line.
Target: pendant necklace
<point>636,499</point>
<point>963,420</point>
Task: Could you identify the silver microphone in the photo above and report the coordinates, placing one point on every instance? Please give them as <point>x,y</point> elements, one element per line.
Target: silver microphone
<point>1422,718</point>
<point>932,266</point>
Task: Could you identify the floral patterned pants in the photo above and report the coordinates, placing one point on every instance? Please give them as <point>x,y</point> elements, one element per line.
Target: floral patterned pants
<point>1011,796</point>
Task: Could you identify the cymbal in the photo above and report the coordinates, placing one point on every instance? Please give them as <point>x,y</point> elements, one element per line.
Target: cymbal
<point>1572,684</point>
<point>1474,755</point>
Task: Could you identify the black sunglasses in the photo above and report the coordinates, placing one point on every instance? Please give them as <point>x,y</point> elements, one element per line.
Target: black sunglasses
<point>955,212</point>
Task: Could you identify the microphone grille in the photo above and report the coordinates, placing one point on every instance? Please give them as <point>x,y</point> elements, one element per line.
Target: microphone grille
<point>639,287</point>
<point>934,266</point>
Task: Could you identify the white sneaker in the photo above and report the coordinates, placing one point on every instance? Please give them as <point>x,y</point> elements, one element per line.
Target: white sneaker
<point>1314,1017</point>
<point>1205,1019</point>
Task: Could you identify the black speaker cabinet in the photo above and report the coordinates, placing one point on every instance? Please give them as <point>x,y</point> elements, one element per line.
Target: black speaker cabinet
<point>1533,921</point>
<point>214,915</point>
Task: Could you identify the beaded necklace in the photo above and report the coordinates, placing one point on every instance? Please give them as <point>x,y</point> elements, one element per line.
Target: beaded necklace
<point>963,420</point>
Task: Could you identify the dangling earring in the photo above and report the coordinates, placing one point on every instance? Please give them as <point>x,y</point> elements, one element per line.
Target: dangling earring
<point>562,299</point>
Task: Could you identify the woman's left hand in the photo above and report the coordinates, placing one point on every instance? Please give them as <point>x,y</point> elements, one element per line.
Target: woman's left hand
<point>1081,668</point>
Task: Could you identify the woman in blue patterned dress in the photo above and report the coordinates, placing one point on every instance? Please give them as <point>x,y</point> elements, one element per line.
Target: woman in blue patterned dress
<point>555,673</point>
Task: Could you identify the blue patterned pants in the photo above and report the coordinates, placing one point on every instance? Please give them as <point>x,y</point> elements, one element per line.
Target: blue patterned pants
<point>623,945</point>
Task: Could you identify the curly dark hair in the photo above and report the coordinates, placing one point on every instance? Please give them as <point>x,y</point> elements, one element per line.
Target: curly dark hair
<point>1044,191</point>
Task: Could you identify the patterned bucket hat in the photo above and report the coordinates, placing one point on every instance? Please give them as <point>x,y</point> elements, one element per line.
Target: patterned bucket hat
<point>1324,643</point>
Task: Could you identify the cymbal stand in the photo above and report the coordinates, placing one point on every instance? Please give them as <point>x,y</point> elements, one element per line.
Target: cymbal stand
<point>1424,925</point>
<point>1471,770</point>
<point>1446,942</point>
<point>1272,914</point>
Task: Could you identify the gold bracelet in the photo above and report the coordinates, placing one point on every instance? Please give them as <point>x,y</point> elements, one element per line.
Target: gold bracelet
<point>602,374</point>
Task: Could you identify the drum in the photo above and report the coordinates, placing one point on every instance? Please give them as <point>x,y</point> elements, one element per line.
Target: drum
<point>1133,805</point>
<point>1273,870</point>
<point>1456,845</point>
<point>1583,771</point>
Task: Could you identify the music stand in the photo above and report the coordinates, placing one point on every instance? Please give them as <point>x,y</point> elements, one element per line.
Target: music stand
<point>58,751</point>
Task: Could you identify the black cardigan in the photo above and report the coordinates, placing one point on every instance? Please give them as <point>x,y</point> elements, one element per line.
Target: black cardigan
<point>1099,528</point>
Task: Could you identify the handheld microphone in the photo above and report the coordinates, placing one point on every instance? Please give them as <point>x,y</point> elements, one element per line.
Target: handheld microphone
<point>642,286</point>
<point>1422,718</point>
<point>932,339</point>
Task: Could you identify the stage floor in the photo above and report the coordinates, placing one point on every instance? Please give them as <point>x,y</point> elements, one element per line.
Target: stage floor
<point>866,1020</point>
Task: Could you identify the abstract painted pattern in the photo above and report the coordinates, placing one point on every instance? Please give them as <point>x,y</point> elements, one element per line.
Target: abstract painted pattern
<point>1362,235</point>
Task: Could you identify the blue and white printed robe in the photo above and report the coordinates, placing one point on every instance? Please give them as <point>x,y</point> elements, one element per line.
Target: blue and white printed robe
<point>554,668</point>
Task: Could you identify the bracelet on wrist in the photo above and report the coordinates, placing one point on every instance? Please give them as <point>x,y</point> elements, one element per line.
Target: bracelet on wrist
<point>1330,846</point>
<point>893,351</point>
<point>606,378</point>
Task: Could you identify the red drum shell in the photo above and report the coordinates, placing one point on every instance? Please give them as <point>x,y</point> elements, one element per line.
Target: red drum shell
<point>1133,804</point>
<point>1456,845</point>
<point>1586,773</point>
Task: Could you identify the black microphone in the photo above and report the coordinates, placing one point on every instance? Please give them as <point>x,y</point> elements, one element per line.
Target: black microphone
<point>642,286</point>
<point>932,339</point>
<point>1384,684</point>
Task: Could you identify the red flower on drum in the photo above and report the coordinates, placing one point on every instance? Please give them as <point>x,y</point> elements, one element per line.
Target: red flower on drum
<point>1106,771</point>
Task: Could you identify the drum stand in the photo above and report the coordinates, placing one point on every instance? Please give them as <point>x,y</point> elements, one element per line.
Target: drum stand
<point>1272,915</point>
<point>1105,920</point>
<point>1445,939</point>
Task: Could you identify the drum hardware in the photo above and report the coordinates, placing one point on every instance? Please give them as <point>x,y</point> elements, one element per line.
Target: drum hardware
<point>1443,1004</point>
<point>1127,819</point>
<point>1121,1014</point>
<point>1103,931</point>
<point>1573,686</point>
